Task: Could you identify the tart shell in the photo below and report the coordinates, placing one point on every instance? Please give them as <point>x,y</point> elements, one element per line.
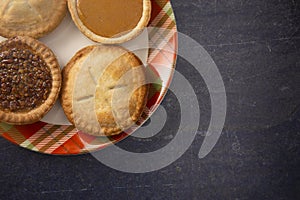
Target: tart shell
<point>34,115</point>
<point>146,15</point>
<point>48,17</point>
<point>105,119</point>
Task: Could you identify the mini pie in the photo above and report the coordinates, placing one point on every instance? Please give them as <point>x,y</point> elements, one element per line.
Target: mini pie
<point>110,21</point>
<point>104,90</point>
<point>33,18</point>
<point>30,80</point>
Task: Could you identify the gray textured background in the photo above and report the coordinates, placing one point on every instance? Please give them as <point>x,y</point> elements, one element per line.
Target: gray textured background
<point>255,44</point>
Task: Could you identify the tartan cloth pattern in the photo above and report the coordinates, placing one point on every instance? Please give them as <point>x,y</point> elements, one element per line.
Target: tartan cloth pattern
<point>67,140</point>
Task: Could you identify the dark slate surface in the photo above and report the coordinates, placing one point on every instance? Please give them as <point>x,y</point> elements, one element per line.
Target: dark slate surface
<point>256,46</point>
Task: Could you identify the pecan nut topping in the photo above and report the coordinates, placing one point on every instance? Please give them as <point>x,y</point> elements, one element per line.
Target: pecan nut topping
<point>30,80</point>
<point>25,80</point>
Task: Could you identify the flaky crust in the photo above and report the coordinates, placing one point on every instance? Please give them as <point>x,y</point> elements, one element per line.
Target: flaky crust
<point>46,15</point>
<point>68,75</point>
<point>116,40</point>
<point>48,56</point>
<point>105,117</point>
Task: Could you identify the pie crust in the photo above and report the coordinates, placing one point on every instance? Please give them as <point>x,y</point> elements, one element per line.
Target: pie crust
<point>104,90</point>
<point>120,38</point>
<point>37,72</point>
<point>34,18</point>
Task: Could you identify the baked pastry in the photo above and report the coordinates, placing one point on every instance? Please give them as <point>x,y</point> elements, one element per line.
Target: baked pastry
<point>110,21</point>
<point>104,90</point>
<point>33,18</point>
<point>30,80</point>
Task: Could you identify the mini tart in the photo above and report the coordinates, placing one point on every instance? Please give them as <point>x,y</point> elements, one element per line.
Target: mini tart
<point>119,20</point>
<point>104,90</point>
<point>30,80</point>
<point>34,18</point>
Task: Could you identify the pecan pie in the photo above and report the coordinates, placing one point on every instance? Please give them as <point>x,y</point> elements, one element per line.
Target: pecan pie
<point>33,18</point>
<point>30,80</point>
<point>104,90</point>
<point>110,21</point>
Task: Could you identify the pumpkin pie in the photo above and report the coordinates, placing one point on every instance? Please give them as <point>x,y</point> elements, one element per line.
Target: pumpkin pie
<point>104,90</point>
<point>30,80</point>
<point>110,21</point>
<point>33,18</point>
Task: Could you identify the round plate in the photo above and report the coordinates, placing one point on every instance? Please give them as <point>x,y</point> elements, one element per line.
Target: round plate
<point>59,139</point>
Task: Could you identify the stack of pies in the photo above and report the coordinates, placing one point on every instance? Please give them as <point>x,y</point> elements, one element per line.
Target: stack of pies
<point>104,90</point>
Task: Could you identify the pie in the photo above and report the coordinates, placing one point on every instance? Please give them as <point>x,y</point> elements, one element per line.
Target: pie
<point>33,18</point>
<point>30,80</point>
<point>104,90</point>
<point>110,21</point>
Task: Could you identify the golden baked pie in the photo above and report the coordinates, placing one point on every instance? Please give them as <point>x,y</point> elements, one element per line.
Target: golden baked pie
<point>110,21</point>
<point>104,90</point>
<point>30,80</point>
<point>33,18</point>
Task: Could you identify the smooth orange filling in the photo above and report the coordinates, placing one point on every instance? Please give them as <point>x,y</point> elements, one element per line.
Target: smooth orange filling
<point>110,18</point>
